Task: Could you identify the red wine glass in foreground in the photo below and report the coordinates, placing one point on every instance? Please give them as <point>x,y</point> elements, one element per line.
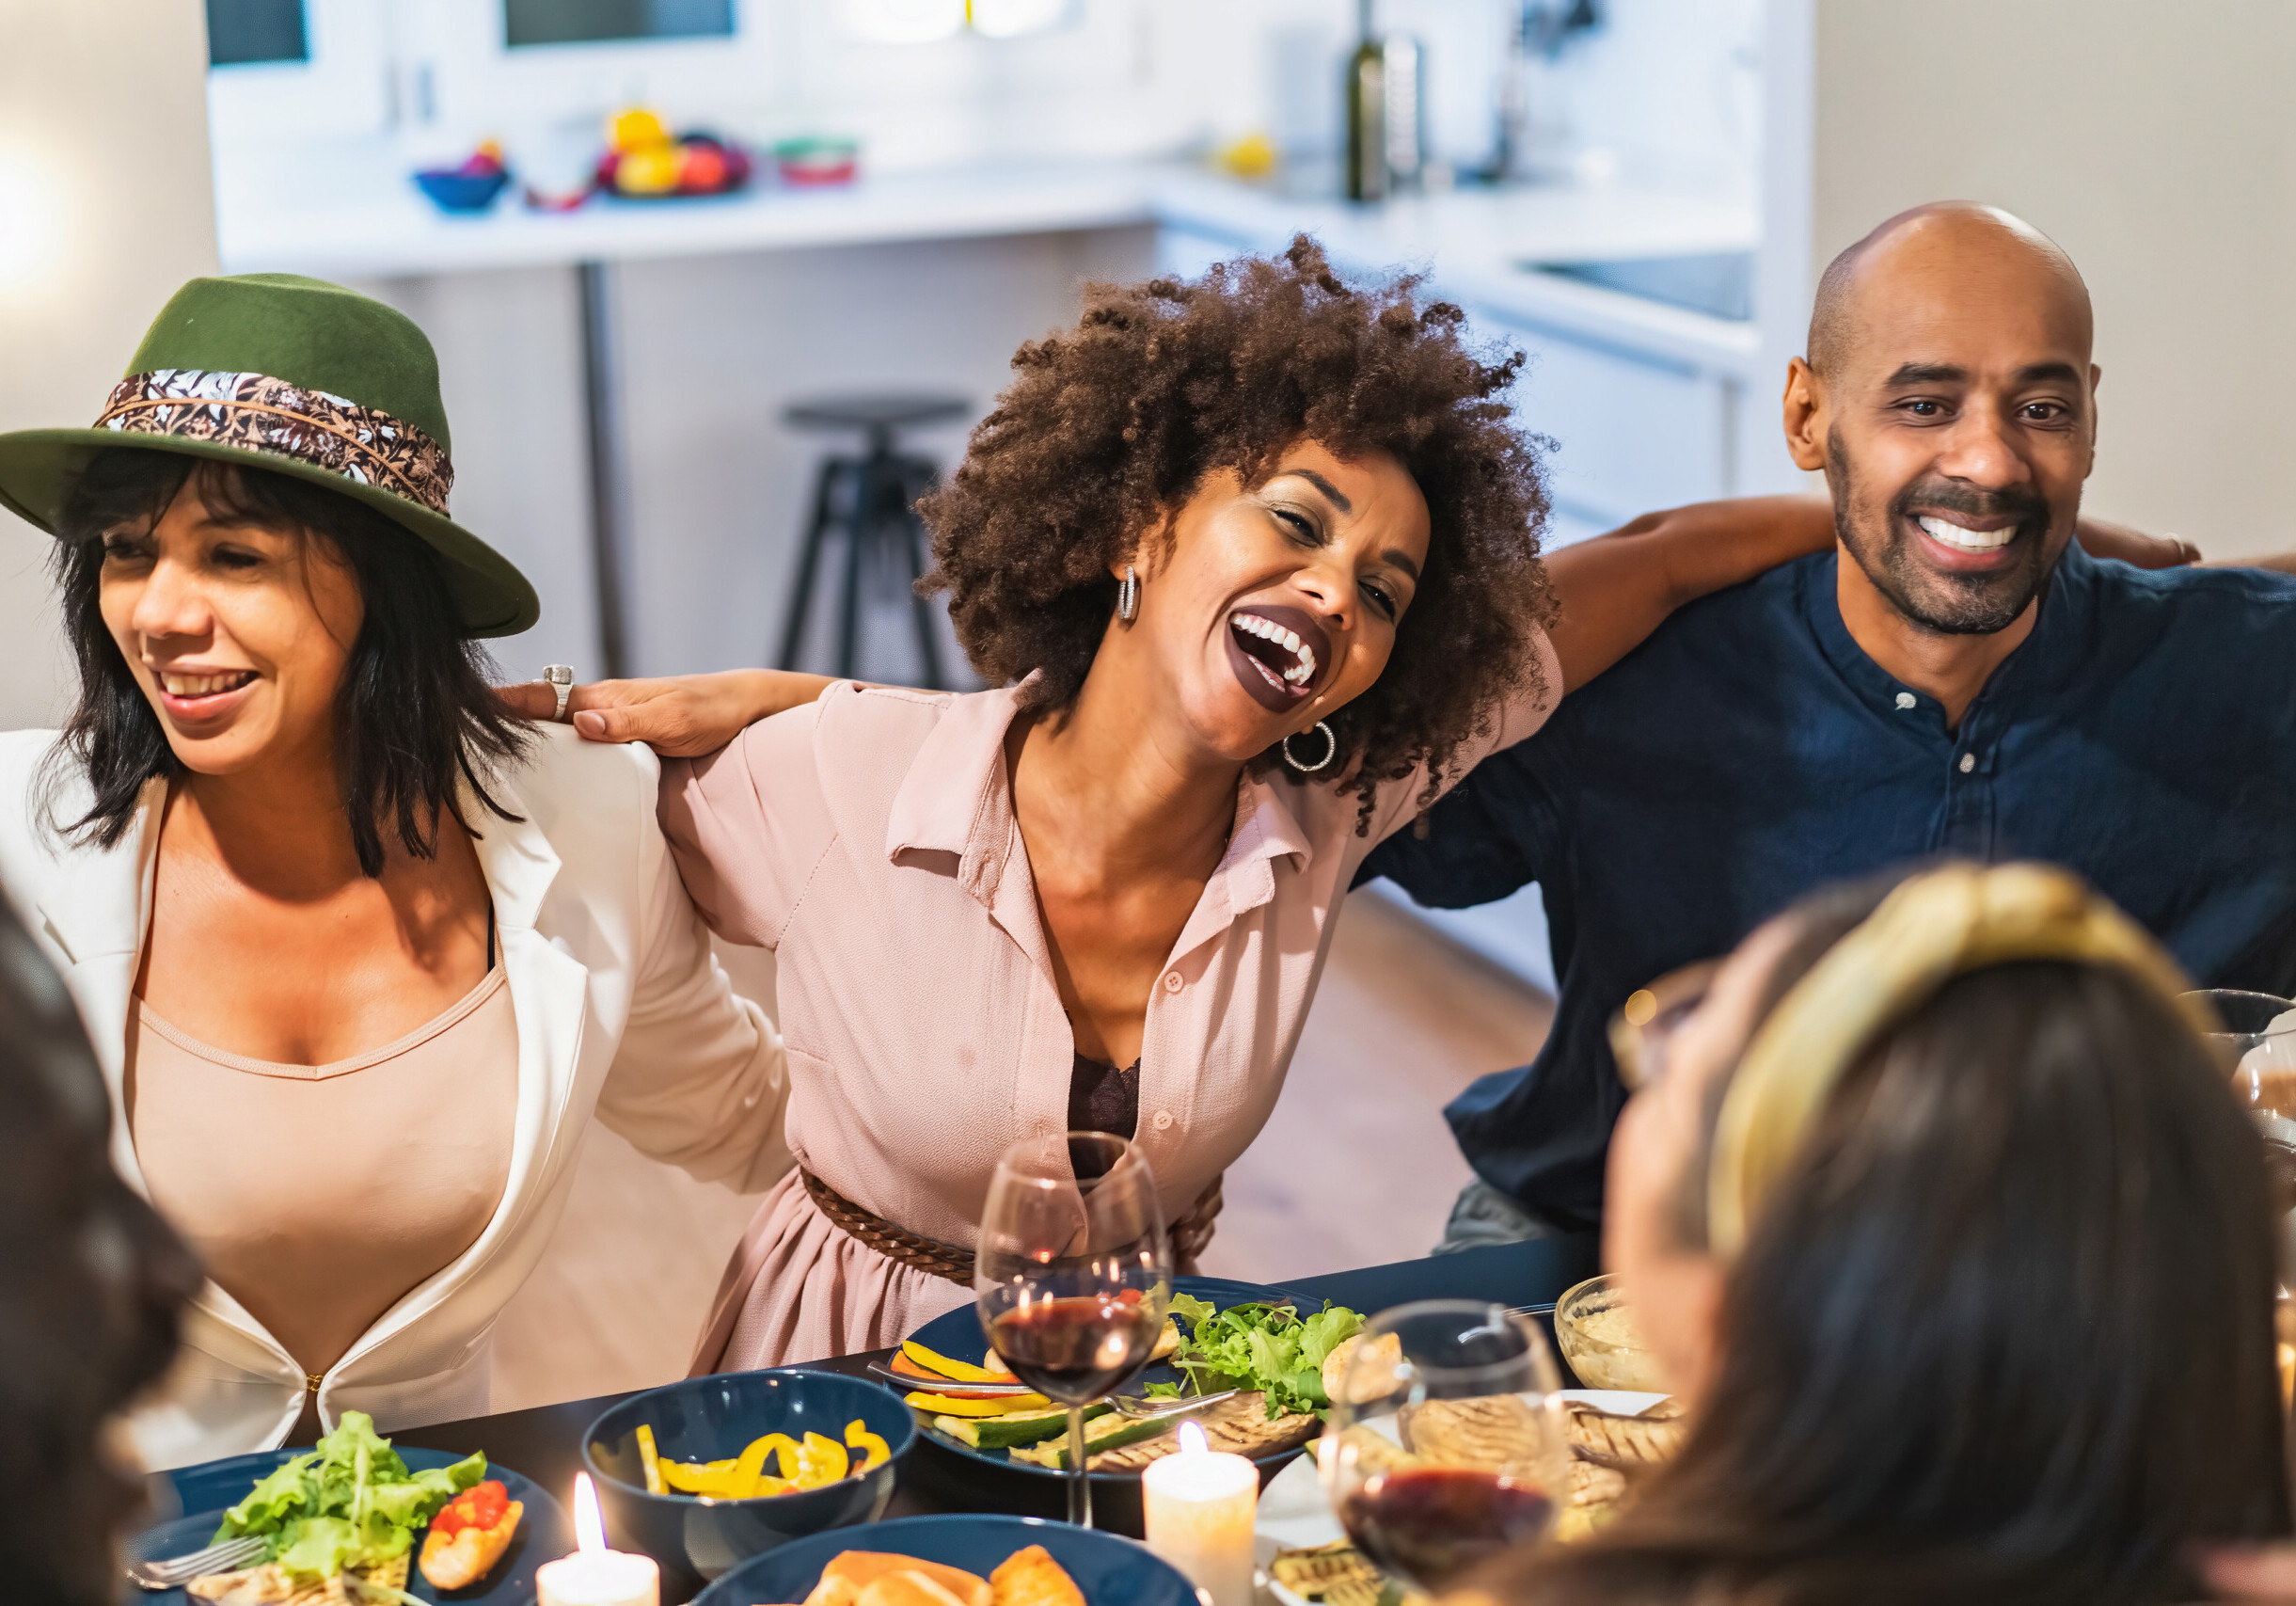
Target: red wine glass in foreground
<point>1444,1445</point>
<point>1072,1274</point>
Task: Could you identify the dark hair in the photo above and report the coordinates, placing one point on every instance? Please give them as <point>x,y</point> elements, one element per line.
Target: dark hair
<point>2003,1334</point>
<point>1111,426</point>
<point>93,1286</point>
<point>415,709</point>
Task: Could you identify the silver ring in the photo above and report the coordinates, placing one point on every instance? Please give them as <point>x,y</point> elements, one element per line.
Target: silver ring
<point>560,678</point>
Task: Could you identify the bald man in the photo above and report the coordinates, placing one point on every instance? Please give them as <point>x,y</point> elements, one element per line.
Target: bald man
<point>1954,676</point>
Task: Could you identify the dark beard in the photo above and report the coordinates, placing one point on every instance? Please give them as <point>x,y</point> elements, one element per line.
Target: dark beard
<point>1946,603</point>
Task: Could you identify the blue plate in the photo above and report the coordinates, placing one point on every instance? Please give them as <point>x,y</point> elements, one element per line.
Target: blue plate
<point>1111,1571</point>
<point>958,1336</point>
<point>208,1489</point>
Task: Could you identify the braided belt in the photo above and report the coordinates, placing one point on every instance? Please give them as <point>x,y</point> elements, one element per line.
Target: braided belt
<point>1190,1233</point>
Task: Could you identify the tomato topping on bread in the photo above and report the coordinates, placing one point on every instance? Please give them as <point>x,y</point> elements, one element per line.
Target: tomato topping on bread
<point>469,1535</point>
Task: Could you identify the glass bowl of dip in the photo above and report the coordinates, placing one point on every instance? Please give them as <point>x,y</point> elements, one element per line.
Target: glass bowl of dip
<point>1595,1327</point>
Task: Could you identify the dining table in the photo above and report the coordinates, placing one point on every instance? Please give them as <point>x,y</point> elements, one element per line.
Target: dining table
<point>544,1442</point>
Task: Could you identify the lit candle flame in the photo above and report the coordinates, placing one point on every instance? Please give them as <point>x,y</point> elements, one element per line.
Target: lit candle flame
<point>1192,1440</point>
<point>588,1525</point>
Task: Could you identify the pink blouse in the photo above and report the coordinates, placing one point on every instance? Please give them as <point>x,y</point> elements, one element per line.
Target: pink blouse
<point>869,839</point>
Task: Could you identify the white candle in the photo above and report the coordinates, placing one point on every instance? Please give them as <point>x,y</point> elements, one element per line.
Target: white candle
<point>593,1575</point>
<point>1200,1506</point>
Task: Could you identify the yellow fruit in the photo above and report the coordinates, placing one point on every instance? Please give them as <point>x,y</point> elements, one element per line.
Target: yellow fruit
<point>636,129</point>
<point>650,171</point>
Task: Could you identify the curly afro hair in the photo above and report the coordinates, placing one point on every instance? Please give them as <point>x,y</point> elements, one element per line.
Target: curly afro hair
<point>1112,426</point>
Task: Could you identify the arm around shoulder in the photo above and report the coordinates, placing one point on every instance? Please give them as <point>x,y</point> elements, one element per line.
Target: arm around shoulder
<point>1616,588</point>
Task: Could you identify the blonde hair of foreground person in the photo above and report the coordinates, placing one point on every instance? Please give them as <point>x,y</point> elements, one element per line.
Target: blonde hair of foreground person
<point>1996,1274</point>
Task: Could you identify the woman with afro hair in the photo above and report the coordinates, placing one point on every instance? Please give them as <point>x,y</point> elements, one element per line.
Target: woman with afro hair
<point>1252,563</point>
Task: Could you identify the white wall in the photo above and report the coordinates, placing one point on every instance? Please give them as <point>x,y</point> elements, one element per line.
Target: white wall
<point>712,350</point>
<point>105,209</point>
<point>2154,143</point>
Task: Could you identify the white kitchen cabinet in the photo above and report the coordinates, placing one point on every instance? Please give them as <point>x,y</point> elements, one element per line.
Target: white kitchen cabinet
<point>1631,433</point>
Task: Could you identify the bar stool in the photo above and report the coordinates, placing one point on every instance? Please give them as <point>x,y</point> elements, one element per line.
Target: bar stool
<point>880,490</point>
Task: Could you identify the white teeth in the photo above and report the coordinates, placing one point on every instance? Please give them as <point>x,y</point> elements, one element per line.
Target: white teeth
<point>1303,655</point>
<point>1967,540</point>
<point>203,685</point>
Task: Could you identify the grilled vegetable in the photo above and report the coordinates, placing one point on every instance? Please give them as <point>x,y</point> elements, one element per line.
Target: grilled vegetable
<point>1006,1432</point>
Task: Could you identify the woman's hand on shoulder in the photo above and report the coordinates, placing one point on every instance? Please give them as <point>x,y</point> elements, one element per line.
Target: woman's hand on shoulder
<point>678,716</point>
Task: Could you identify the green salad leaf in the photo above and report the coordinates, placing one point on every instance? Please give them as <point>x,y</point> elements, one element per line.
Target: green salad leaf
<point>1270,1348</point>
<point>349,1503</point>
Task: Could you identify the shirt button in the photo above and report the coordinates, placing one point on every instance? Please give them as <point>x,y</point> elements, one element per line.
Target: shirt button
<point>1172,982</point>
<point>1163,1120</point>
<point>1905,699</point>
<point>1969,762</point>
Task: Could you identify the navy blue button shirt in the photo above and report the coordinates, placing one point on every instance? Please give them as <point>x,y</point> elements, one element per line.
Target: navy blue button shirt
<point>2145,733</point>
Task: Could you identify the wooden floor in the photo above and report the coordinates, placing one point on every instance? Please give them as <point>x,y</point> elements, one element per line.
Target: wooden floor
<point>1354,1169</point>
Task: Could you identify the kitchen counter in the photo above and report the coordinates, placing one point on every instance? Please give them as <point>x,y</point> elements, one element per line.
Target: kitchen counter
<point>338,212</point>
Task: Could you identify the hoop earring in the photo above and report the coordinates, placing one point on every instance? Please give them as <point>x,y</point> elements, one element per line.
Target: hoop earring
<point>1127,596</point>
<point>1331,750</point>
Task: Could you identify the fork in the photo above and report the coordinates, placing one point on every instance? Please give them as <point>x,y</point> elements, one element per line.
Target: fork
<point>1140,1408</point>
<point>224,1557</point>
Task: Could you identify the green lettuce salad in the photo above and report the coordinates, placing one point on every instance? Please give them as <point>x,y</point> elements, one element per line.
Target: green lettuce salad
<point>349,1503</point>
<point>1271,1347</point>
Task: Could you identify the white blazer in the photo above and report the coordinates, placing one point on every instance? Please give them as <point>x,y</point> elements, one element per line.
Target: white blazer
<point>621,1012</point>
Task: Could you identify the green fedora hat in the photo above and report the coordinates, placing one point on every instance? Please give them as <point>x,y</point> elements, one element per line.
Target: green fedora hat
<point>301,377</point>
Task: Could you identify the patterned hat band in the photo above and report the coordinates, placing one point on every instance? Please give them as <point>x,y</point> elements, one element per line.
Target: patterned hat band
<point>257,413</point>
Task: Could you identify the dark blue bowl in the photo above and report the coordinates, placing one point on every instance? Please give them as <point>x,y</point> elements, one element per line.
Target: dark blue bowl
<point>709,1419</point>
<point>1111,1571</point>
<point>461,192</point>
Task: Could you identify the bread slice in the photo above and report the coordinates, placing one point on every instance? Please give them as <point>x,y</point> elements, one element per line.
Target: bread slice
<point>460,1562</point>
<point>1033,1578</point>
<point>1630,1443</point>
<point>849,1574</point>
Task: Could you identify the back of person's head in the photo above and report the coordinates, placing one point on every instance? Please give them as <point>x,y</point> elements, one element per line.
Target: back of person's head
<point>91,1286</point>
<point>1999,1328</point>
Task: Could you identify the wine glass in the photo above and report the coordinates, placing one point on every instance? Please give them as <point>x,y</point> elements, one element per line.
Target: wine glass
<point>2259,1044</point>
<point>1072,1274</point>
<point>1445,1443</point>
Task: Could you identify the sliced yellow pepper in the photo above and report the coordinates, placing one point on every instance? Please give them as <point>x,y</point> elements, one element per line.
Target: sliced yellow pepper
<point>956,1371</point>
<point>648,1459</point>
<point>750,1465</point>
<point>823,1461</point>
<point>876,1450</point>
<point>689,1477</point>
<point>1004,1405</point>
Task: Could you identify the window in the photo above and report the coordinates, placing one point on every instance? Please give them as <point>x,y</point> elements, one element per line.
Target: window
<point>585,21</point>
<point>240,32</point>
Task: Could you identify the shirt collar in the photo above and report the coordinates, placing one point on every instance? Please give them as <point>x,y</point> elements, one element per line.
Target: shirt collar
<point>957,800</point>
<point>2039,664</point>
<point>954,798</point>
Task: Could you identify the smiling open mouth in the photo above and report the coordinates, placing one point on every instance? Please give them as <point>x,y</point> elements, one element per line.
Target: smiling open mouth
<point>1287,662</point>
<point>192,687</point>
<point>1962,539</point>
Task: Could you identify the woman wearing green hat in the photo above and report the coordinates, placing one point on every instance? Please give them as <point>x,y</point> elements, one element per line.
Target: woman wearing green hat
<point>361,954</point>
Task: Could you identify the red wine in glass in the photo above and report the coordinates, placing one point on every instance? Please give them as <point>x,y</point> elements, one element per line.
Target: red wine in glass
<point>1431,1524</point>
<point>1077,1349</point>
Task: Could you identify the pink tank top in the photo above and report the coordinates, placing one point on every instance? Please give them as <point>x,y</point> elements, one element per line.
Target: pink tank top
<point>320,1195</point>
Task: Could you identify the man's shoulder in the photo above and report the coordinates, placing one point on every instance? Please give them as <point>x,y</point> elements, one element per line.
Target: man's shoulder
<point>2222,607</point>
<point>1756,629</point>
